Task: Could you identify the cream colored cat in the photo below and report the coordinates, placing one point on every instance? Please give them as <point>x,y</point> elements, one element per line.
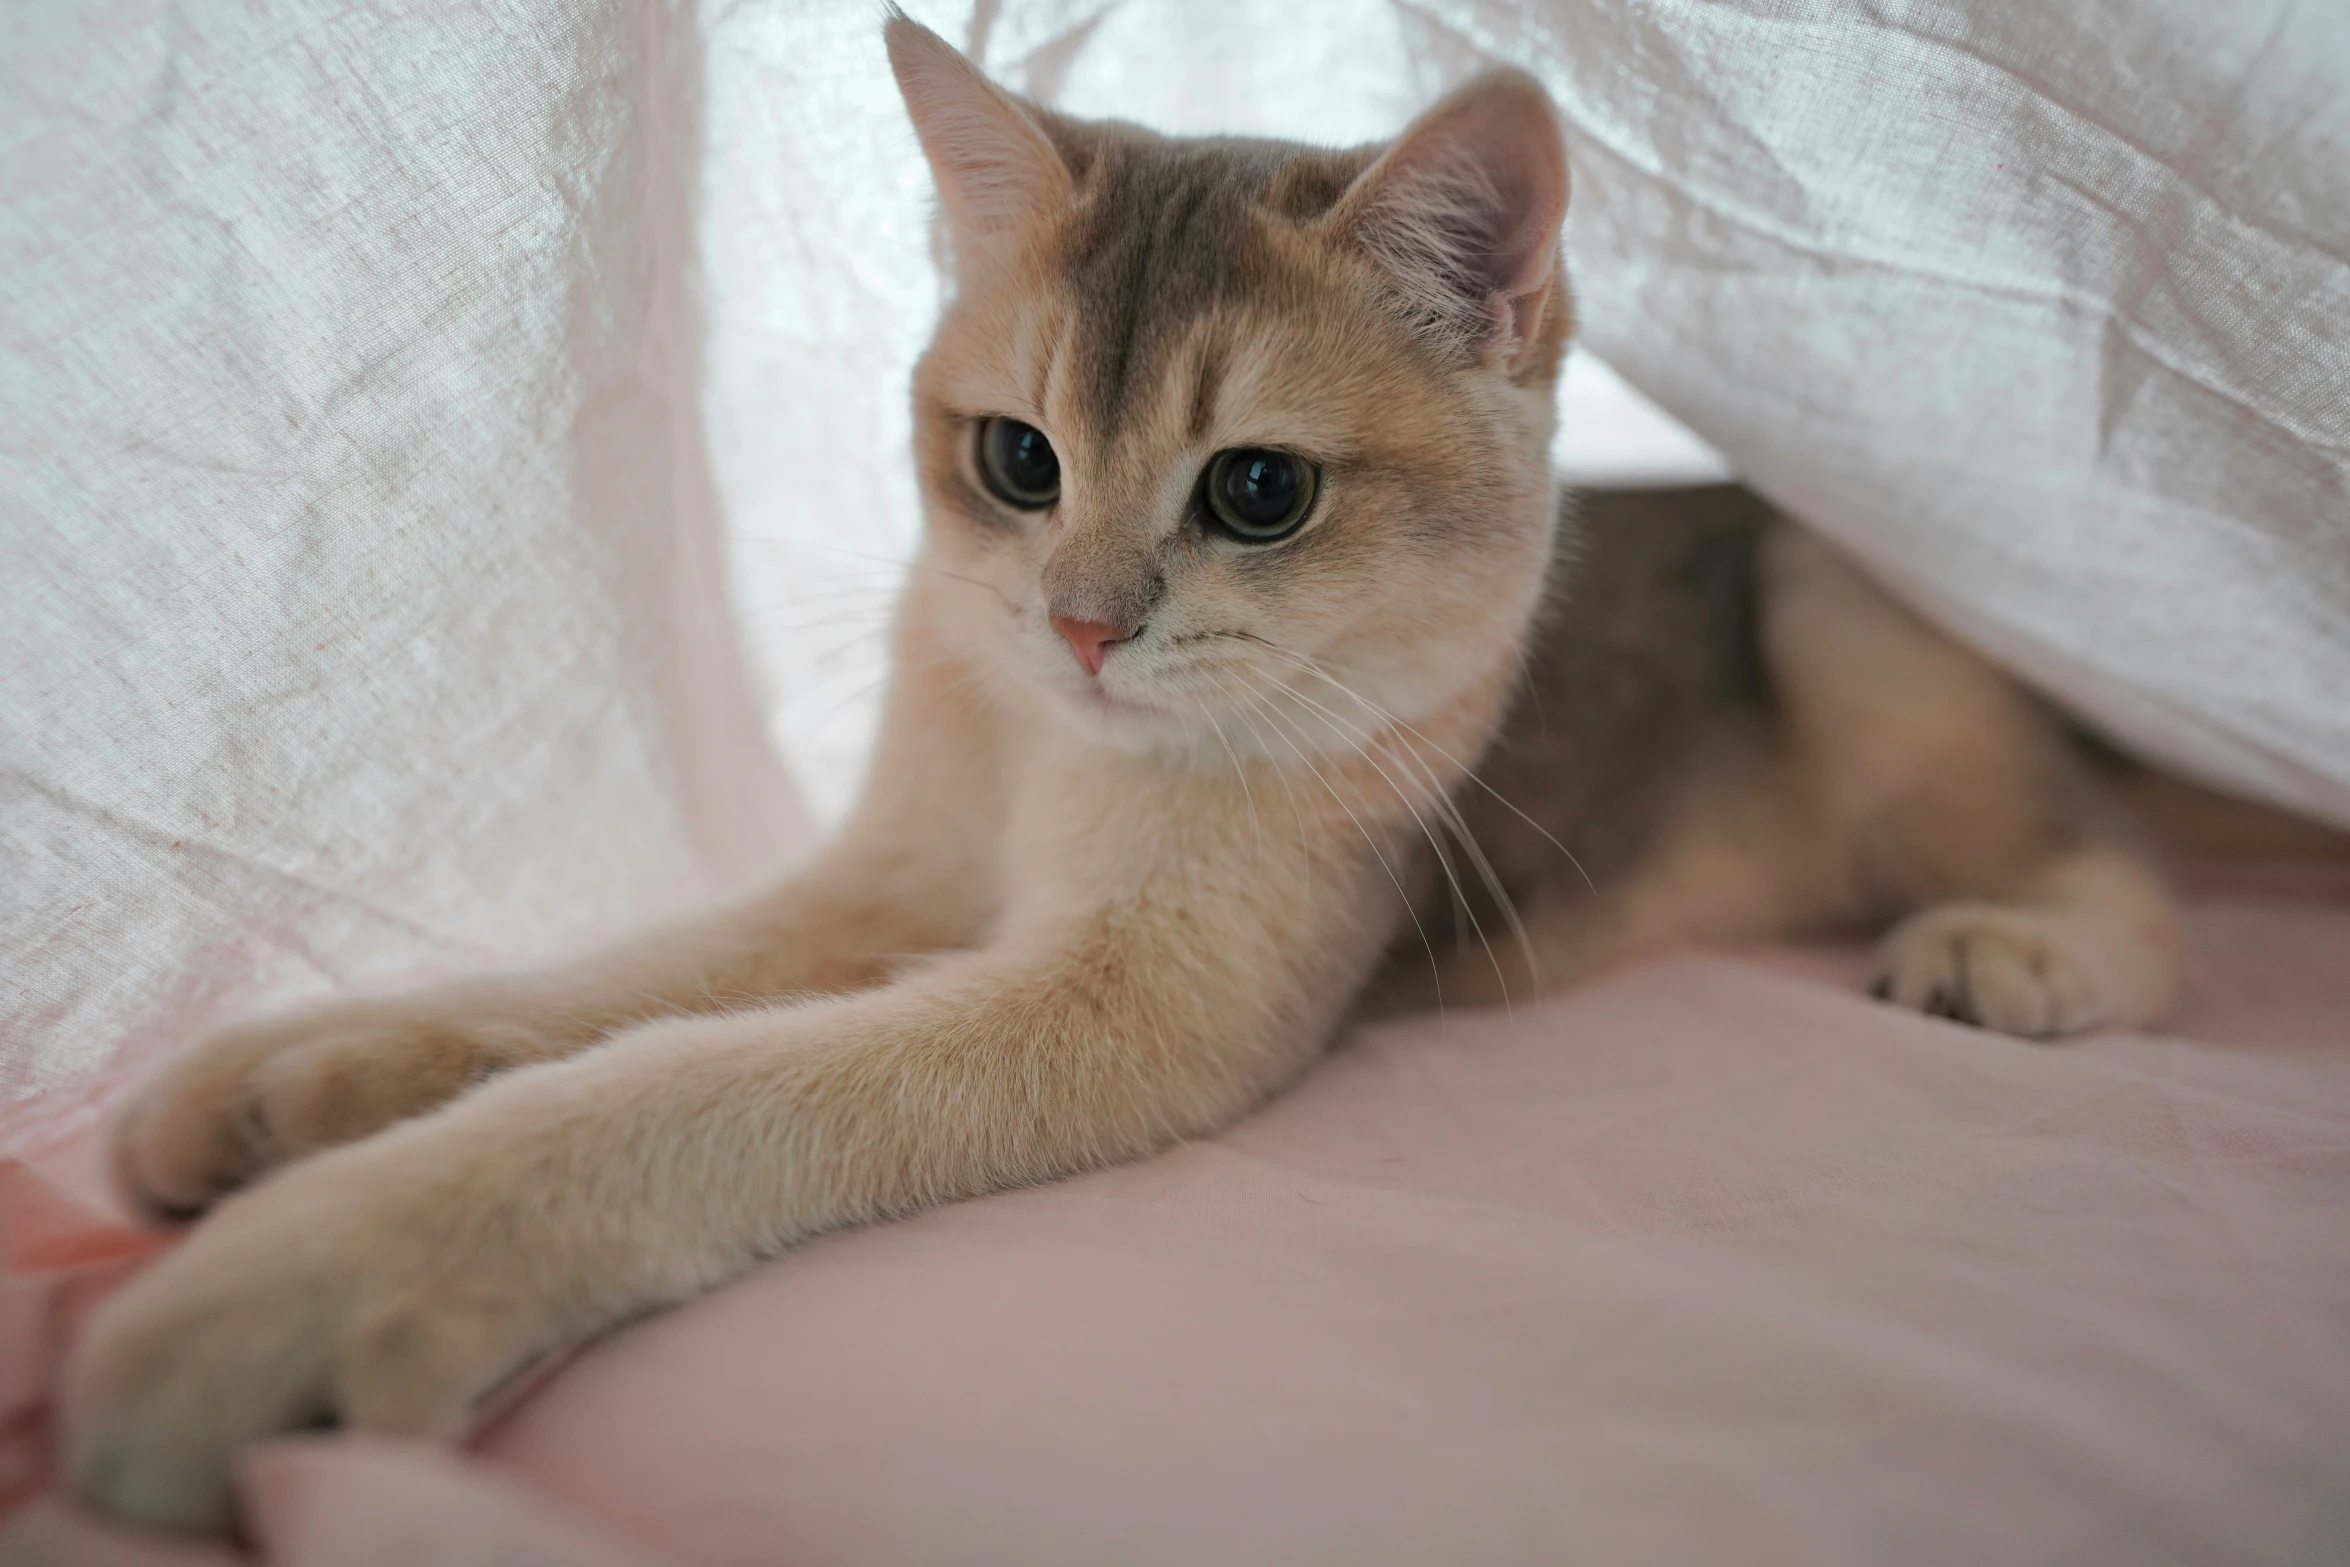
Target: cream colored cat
<point>1239,526</point>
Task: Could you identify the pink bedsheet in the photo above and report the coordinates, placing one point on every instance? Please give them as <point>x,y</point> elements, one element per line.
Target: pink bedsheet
<point>1714,1262</point>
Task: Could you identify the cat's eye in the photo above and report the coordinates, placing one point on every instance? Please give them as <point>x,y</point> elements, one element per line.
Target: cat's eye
<point>1258,496</point>
<point>1018,464</point>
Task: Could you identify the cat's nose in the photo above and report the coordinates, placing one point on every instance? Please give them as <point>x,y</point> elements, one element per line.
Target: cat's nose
<point>1089,639</point>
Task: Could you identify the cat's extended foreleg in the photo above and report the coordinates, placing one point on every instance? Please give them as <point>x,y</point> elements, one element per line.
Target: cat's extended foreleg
<point>387,1284</point>
<point>911,873</point>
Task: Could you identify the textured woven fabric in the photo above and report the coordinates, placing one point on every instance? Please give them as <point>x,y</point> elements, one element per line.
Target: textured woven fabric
<point>363,601</point>
<point>2042,310</point>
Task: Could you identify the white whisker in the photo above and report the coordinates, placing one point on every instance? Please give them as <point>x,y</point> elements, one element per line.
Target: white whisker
<point>1435,968</point>
<point>1305,851</point>
<point>1255,826</point>
<point>1460,894</point>
<point>1470,773</point>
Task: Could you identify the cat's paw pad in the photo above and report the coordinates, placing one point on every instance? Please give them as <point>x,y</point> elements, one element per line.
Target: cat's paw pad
<point>251,1097</point>
<point>2019,971</point>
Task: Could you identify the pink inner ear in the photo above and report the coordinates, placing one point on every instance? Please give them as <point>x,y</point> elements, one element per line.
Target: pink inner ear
<point>1466,207</point>
<point>993,164</point>
<point>1520,313</point>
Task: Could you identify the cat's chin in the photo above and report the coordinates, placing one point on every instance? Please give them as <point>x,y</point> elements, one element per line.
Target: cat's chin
<point>1179,736</point>
<point>1126,723</point>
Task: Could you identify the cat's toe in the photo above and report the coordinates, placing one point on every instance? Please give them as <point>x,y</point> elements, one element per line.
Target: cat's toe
<point>2018,971</point>
<point>252,1097</point>
<point>186,1138</point>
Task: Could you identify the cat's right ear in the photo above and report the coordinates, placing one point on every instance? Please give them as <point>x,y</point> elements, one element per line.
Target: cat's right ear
<point>994,165</point>
<point>1463,212</point>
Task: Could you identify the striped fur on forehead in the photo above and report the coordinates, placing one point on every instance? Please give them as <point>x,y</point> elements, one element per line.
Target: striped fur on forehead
<point>1165,232</point>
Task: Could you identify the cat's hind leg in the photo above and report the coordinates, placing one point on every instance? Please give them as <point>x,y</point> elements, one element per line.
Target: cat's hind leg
<point>2089,942</point>
<point>1959,810</point>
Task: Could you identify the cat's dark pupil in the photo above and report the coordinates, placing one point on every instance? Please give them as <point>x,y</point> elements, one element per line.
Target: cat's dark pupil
<point>1261,488</point>
<point>1025,460</point>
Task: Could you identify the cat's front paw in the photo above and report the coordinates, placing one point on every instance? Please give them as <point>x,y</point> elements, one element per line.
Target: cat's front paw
<point>254,1096</point>
<point>2034,972</point>
<point>333,1294</point>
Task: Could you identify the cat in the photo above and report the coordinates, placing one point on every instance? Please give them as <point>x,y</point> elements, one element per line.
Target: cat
<point>1240,529</point>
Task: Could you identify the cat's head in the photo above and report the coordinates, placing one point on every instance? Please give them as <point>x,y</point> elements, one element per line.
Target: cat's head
<point>1210,425</point>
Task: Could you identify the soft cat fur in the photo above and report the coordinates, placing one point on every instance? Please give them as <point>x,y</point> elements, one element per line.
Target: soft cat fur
<point>1147,804</point>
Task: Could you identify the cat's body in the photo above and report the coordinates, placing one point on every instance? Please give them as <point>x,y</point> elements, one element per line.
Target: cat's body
<point>1726,733</point>
<point>1239,519</point>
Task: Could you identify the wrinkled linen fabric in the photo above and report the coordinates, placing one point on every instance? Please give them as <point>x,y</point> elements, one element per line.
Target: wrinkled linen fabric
<point>361,606</point>
<point>2043,311</point>
<point>1714,1262</point>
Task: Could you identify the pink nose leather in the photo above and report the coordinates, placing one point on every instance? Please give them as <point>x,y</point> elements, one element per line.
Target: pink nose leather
<point>1088,639</point>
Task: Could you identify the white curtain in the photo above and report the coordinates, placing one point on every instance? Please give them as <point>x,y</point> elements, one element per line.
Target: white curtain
<point>362,609</point>
<point>432,437</point>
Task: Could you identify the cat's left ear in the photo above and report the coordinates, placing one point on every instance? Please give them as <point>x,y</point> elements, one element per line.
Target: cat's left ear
<point>995,167</point>
<point>1464,212</point>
